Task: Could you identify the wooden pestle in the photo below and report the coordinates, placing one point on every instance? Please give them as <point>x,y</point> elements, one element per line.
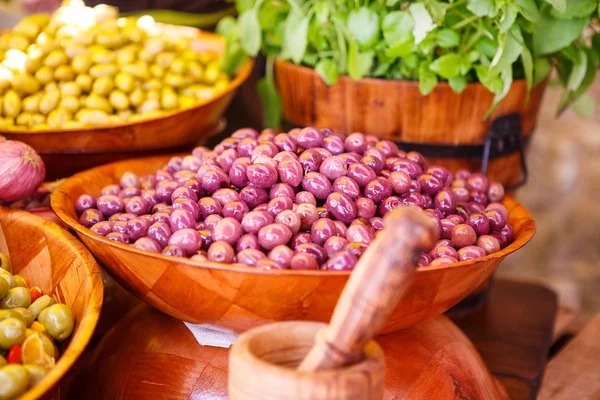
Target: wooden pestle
<point>373,291</point>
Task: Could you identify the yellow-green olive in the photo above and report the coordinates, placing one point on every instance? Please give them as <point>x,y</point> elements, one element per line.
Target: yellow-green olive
<point>3,287</point>
<point>64,73</point>
<point>37,119</point>
<point>27,28</point>
<point>168,99</point>
<point>189,55</point>
<point>97,102</point>
<point>69,103</point>
<point>25,314</point>
<point>101,55</point>
<point>16,297</point>
<point>2,361</point>
<point>74,50</point>
<point>59,322</point>
<point>187,101</point>
<point>195,69</point>
<point>37,372</point>
<point>5,314</point>
<point>211,73</point>
<point>32,64</point>
<point>51,87</point>
<point>12,331</point>
<point>178,66</point>
<point>84,81</point>
<point>41,303</point>
<point>137,97</point>
<point>14,380</point>
<point>17,42</point>
<point>25,83</point>
<point>139,69</point>
<point>20,281</point>
<point>92,117</point>
<point>24,119</point>
<point>109,39</point>
<point>58,117</point>
<point>55,58</point>
<point>44,75</point>
<point>124,82</point>
<point>156,71</point>
<point>118,100</point>
<point>146,56</point>
<point>12,104</point>
<point>152,84</point>
<point>81,63</point>
<point>154,45</point>
<point>7,276</point>
<point>125,57</point>
<point>73,125</point>
<point>149,105</point>
<point>102,86</point>
<point>175,80</point>
<point>49,101</point>
<point>32,103</point>
<point>124,115</point>
<point>164,60</point>
<point>8,121</point>
<point>69,89</point>
<point>100,70</point>
<point>153,94</point>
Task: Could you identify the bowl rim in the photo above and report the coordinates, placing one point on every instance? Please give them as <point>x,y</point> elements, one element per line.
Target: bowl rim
<point>241,75</point>
<point>87,325</point>
<point>60,196</point>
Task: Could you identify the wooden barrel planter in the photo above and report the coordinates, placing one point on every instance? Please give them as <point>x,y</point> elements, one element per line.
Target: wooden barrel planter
<point>445,126</point>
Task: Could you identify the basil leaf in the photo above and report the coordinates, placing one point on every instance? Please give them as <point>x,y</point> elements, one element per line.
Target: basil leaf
<point>423,21</point>
<point>447,66</point>
<point>322,11</point>
<point>576,9</point>
<point>541,69</point>
<point>397,27</point>
<point>509,51</point>
<point>269,97</point>
<point>328,70</point>
<point>508,19</point>
<point>437,10</point>
<point>244,5</point>
<point>487,47</point>
<point>529,10</point>
<point>482,8</point>
<point>249,30</point>
<point>578,72</point>
<point>233,57</point>
<point>363,24</point>
<point>401,49</point>
<point>590,75</point>
<point>492,82</point>
<point>359,63</point>
<point>427,79</point>
<point>446,38</point>
<point>559,5</point>
<point>458,83</point>
<point>507,79</point>
<point>551,34</point>
<point>527,61</point>
<point>227,27</point>
<point>295,35</point>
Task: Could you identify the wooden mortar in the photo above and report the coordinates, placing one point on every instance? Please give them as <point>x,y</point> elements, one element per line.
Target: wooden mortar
<point>309,360</point>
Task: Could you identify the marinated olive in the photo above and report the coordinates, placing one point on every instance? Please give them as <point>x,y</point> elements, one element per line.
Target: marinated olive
<point>58,321</point>
<point>16,297</point>
<point>12,331</point>
<point>36,372</point>
<point>14,380</point>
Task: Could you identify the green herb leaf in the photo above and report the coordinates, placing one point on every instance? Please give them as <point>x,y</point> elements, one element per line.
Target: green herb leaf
<point>363,24</point>
<point>509,51</point>
<point>527,61</point>
<point>423,21</point>
<point>507,79</point>
<point>446,38</point>
<point>487,47</point>
<point>569,97</point>
<point>482,8</point>
<point>437,10</point>
<point>492,82</point>
<point>391,3</point>
<point>227,27</point>
<point>427,79</point>
<point>552,34</point>
<point>295,35</point>
<point>447,66</point>
<point>578,72</point>
<point>508,19</point>
<point>529,10</point>
<point>576,9</point>
<point>359,63</point>
<point>458,83</point>
<point>328,70</point>
<point>271,102</point>
<point>541,69</point>
<point>322,11</point>
<point>233,57</point>
<point>243,5</point>
<point>585,106</point>
<point>397,32</point>
<point>249,31</point>
<point>559,5</point>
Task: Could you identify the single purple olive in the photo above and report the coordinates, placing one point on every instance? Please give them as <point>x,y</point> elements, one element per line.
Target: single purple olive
<point>285,155</point>
<point>188,239</point>
<point>290,219</point>
<point>400,182</point>
<point>361,173</point>
<point>189,205</point>
<point>264,149</point>
<point>245,133</point>
<point>418,158</point>
<point>209,206</point>
<point>118,237</point>
<point>477,182</point>
<point>303,261</point>
<point>444,261</point>
<point>137,228</point>
<point>359,234</point>
<point>375,152</point>
<point>413,199</point>
<point>462,174</point>
<point>174,164</point>
<point>356,142</point>
<point>160,232</point>
<point>424,260</point>
<point>279,204</point>
<point>334,145</point>
<point>162,175</point>
<point>191,163</point>
<point>495,192</point>
<point>342,261</point>
<point>211,221</point>
<point>274,235</point>
<point>365,208</point>
<point>246,147</point>
<point>225,196</point>
<point>430,184</point>
<point>206,235</point>
<point>412,169</point>
<point>309,137</point>
<point>377,223</point>
<point>162,217</point>
<point>333,167</point>
<point>85,202</point>
<point>488,243</point>
<point>129,192</point>
<point>120,226</point>
<point>300,238</point>
<point>457,219</point>
<point>440,172</point>
<point>147,244</point>
<point>458,183</point>
<point>480,223</point>
<point>183,192</point>
<point>508,232</point>
<point>340,228</point>
<point>250,257</point>
<point>182,219</point>
<point>282,190</point>
<point>221,252</point>
<point>317,184</point>
<point>228,230</point>
<point>471,253</point>
<point>357,249</point>
<point>102,228</point>
<point>376,164</point>
<point>445,201</point>
<point>321,230</point>
<point>334,245</point>
<point>443,251</point>
<point>388,147</point>
<point>195,186</point>
<point>463,235</point>
<point>308,214</point>
<point>347,186</point>
<point>110,204</point>
<point>110,190</point>
<point>305,197</point>
<point>236,210</point>
<point>164,190</point>
<point>316,251</point>
<point>341,207</point>
<point>254,196</point>
<point>389,204</point>
<point>290,172</point>
<point>174,251</point>
<point>447,227</point>
<point>247,241</point>
<point>350,158</point>
<point>91,217</point>
<point>461,194</point>
<point>378,190</point>
<point>478,197</point>
<point>281,254</point>
<point>310,160</point>
<point>254,221</point>
<point>226,159</point>
<point>266,160</point>
<point>213,180</point>
<point>415,187</point>
<point>498,207</point>
<point>285,142</point>
<point>496,219</point>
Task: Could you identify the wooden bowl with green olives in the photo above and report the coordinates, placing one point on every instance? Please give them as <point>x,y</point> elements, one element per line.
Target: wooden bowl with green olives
<point>52,300</point>
<point>112,92</point>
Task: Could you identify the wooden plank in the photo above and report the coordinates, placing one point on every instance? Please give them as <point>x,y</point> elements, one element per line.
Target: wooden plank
<point>575,372</point>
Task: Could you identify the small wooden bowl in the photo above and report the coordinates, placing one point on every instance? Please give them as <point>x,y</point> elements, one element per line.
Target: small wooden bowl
<point>241,298</point>
<point>60,265</point>
<point>92,146</point>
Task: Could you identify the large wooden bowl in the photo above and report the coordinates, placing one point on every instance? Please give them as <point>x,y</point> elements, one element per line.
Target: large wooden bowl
<point>171,131</point>
<point>240,298</point>
<point>60,265</point>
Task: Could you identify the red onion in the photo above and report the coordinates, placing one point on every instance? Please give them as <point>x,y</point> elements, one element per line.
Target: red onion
<point>22,170</point>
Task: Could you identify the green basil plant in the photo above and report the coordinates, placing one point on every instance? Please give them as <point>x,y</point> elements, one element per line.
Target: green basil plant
<point>492,42</point>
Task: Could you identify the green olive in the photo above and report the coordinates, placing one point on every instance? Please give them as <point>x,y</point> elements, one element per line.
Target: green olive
<point>178,66</point>
<point>24,119</point>
<point>139,69</point>
<point>55,58</point>
<point>12,104</point>
<point>25,83</point>
<point>44,75</point>
<point>12,331</point>
<point>97,102</point>
<point>5,263</point>
<point>149,105</point>
<point>17,42</point>
<point>175,80</point>
<point>146,56</point>
<point>64,73</point>
<point>137,97</point>
<point>85,82</point>
<point>16,297</point>
<point>26,315</point>
<point>58,117</point>
<point>14,380</point>
<point>51,86</point>
<point>153,94</point>
<point>206,57</point>
<point>187,101</point>
<point>40,304</point>
<point>102,86</point>
<point>124,82</point>
<point>164,60</point>
<point>59,322</point>
<point>37,119</point>
<point>196,70</point>
<point>20,281</point>
<point>152,84</point>
<point>154,45</point>
<point>37,372</point>
<point>49,101</point>
<point>12,282</point>
<point>125,57</point>
<point>32,103</point>
<point>101,55</point>
<point>168,99</point>
<point>156,71</point>
<point>109,39</point>
<point>92,117</point>
<point>7,122</point>
<point>27,28</point>
<point>124,115</point>
<point>32,64</point>
<point>81,63</point>
<point>75,50</point>
<point>100,70</point>
<point>69,89</point>
<point>5,314</point>
<point>69,103</point>
<point>211,73</point>
<point>118,100</point>
<point>3,287</point>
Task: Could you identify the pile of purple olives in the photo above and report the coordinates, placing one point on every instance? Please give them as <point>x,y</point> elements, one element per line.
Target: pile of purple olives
<point>308,199</point>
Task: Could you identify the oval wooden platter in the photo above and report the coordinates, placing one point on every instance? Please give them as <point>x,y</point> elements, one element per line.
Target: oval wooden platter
<point>149,355</point>
<point>240,298</point>
<point>51,258</point>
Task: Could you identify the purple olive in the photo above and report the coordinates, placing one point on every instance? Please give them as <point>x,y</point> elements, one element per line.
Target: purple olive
<point>479,222</point>
<point>496,219</point>
<point>378,190</point>
<point>361,173</point>
<point>110,204</point>
<point>333,167</point>
<point>374,162</point>
<point>377,223</point>
<point>246,147</point>
<point>445,201</point>
<point>508,232</point>
<point>400,182</point>
<point>375,152</point>
<point>264,149</point>
<point>463,235</point>
<point>413,199</point>
<point>350,158</point>
<point>313,249</point>
<point>189,205</point>
<point>174,164</point>
<point>415,187</point>
<point>245,133</point>
<point>300,238</point>
<point>305,197</point>
<point>462,194</point>
<point>253,196</point>
<point>195,186</point>
<point>90,217</point>
<point>357,249</point>
<point>478,197</point>
<point>341,207</point>
<point>290,219</point>
<point>424,260</point>
<point>279,204</point>
<point>443,251</point>
<point>322,230</point>
<point>457,219</point>
<point>184,192</point>
<point>389,204</point>
<point>430,184</point>
<point>228,230</point>
<point>118,237</point>
<point>250,257</point>
<point>365,208</point>
<point>137,228</point>
<point>274,235</point>
<point>261,207</point>
<point>412,169</point>
<point>255,220</point>
<point>221,252</point>
<point>495,192</point>
<point>284,142</point>
<point>388,147</point>
<point>303,261</point>
<point>160,232</point>
<point>418,158</point>
<point>191,163</point>
<point>308,215</point>
<point>498,207</point>
<point>282,255</point>
<point>477,182</point>
<point>266,160</point>
<point>162,217</point>
<point>317,184</point>
<point>147,244</point>
<point>356,142</point>
<point>334,145</point>
<point>85,202</point>
<point>188,239</point>
<point>226,159</point>
<point>290,172</point>
<point>209,206</point>
<point>347,186</point>
<point>102,228</point>
<point>110,190</point>
<point>488,243</point>
<point>309,137</point>
<point>120,226</point>
<point>182,219</point>
<point>458,183</point>
<point>359,234</point>
<point>470,253</point>
<point>174,251</point>
<point>269,265</point>
<point>213,180</point>
<point>236,210</point>
<point>206,236</point>
<point>226,195</point>
<point>129,192</point>
<point>447,227</point>
<point>247,241</point>
<point>334,245</point>
<point>444,261</point>
<point>211,221</point>
<point>164,190</point>
<point>281,190</point>
<point>162,175</point>
<point>342,261</point>
<point>284,155</point>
